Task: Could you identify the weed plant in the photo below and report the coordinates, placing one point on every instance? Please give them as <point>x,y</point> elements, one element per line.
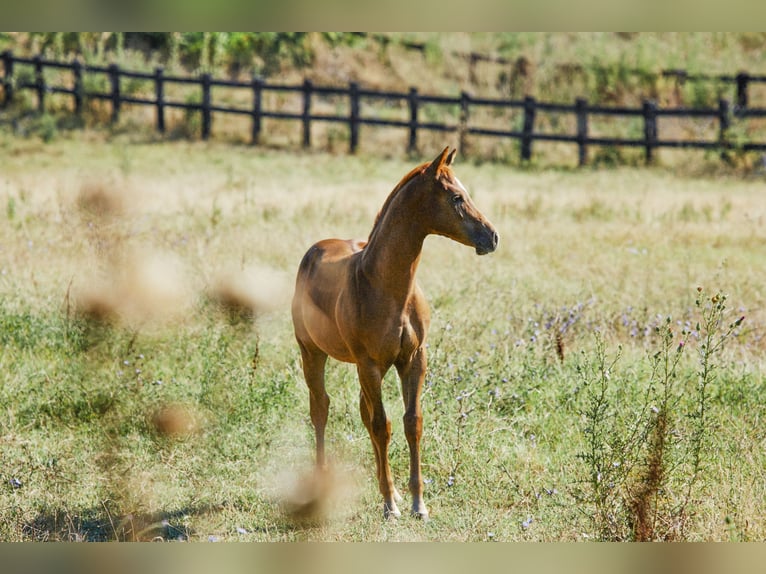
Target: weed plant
<point>648,455</point>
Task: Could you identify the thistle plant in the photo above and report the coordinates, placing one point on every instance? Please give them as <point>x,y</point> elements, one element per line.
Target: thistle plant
<point>601,454</point>
<point>645,460</point>
<point>713,333</point>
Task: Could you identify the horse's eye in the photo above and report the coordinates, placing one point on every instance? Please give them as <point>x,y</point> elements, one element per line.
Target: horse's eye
<point>457,199</point>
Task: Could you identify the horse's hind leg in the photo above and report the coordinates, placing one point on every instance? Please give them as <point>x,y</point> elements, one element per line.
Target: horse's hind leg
<point>314,362</point>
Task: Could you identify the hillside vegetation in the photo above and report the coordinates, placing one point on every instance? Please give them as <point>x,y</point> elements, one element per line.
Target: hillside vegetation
<point>604,67</point>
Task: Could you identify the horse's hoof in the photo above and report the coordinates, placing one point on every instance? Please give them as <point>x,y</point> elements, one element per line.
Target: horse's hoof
<point>389,512</point>
<point>420,514</point>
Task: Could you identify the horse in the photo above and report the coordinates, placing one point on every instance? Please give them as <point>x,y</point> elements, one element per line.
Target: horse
<point>358,302</point>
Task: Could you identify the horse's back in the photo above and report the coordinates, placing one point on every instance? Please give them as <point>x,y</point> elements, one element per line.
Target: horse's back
<point>322,275</point>
<point>325,262</point>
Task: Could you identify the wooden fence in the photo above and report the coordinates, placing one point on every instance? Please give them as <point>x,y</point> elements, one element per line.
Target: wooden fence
<point>412,100</point>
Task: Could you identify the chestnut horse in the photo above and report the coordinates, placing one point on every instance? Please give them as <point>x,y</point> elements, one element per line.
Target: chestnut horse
<point>358,302</point>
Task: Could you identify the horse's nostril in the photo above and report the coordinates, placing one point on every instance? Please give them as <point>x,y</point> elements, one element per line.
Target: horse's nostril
<point>487,243</point>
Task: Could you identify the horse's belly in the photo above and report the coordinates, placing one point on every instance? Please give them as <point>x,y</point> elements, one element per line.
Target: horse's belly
<point>324,333</point>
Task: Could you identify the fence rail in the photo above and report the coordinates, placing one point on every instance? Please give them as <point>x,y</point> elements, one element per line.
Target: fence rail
<point>581,111</point>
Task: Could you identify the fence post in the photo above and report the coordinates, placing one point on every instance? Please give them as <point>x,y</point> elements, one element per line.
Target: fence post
<point>77,94</point>
<point>257,102</point>
<point>529,124</point>
<point>206,106</point>
<point>465,100</point>
<point>114,79</point>
<point>307,87</point>
<point>650,130</point>
<point>724,119</point>
<point>39,83</point>
<point>159,95</point>
<point>7,77</point>
<point>581,107</point>
<point>743,78</point>
<point>353,120</point>
<point>413,102</point>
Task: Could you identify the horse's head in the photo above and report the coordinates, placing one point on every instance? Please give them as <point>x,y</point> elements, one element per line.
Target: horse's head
<point>450,210</point>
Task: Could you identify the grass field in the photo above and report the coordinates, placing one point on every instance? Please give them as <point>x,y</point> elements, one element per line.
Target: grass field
<point>591,380</point>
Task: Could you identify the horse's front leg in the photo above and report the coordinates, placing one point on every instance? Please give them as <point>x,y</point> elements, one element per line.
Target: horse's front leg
<point>412,375</point>
<point>364,411</point>
<point>379,426</point>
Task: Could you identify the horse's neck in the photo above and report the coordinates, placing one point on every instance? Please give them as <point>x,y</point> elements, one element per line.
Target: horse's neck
<point>392,255</point>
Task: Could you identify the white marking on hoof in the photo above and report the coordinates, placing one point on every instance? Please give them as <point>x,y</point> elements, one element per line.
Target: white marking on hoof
<point>391,511</point>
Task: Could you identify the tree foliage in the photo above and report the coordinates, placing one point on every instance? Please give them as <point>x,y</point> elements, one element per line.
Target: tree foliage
<point>264,53</point>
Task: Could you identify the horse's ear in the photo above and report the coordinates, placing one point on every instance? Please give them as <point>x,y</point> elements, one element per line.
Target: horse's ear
<point>439,161</point>
<point>451,157</point>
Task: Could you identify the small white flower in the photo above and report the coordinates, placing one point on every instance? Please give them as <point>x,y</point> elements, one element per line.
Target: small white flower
<point>527,523</point>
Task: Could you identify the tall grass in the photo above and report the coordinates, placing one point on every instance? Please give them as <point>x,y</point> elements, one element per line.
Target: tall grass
<point>151,387</point>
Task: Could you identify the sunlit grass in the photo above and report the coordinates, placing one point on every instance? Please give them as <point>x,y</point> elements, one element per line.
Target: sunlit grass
<point>150,424</point>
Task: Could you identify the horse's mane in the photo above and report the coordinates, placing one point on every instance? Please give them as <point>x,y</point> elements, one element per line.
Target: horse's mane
<point>386,204</point>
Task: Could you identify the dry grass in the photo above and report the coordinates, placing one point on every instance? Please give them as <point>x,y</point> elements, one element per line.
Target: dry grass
<point>192,424</point>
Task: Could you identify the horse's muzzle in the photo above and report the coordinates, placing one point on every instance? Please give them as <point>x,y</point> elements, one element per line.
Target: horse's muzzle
<point>487,243</point>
